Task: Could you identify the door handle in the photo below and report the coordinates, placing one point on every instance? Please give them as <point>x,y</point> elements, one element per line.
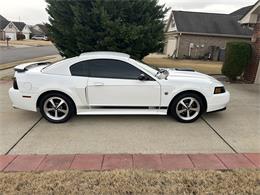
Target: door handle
<point>96,84</point>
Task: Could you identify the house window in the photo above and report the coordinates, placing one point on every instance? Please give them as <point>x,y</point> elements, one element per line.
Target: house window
<point>173,24</point>
<point>10,25</point>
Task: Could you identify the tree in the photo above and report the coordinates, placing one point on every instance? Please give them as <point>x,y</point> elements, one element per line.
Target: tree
<point>134,26</point>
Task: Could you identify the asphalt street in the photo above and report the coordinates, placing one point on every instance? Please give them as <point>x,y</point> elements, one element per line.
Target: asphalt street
<point>12,54</point>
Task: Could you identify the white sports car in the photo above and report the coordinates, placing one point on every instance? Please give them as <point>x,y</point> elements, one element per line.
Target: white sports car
<point>111,83</point>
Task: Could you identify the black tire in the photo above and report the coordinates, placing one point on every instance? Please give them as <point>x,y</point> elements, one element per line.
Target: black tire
<point>69,105</point>
<point>173,107</point>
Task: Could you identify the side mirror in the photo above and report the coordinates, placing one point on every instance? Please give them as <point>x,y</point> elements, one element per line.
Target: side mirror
<point>142,77</point>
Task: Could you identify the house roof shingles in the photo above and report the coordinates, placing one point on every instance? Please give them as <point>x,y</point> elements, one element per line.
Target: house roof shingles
<point>241,12</point>
<point>209,23</point>
<point>2,18</point>
<point>3,24</point>
<point>19,25</point>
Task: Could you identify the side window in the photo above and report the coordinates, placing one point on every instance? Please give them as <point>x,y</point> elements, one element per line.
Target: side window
<point>79,69</point>
<point>106,68</point>
<point>109,68</point>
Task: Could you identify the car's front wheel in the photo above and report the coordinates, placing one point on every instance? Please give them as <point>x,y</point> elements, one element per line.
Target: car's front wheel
<point>56,108</point>
<point>187,107</point>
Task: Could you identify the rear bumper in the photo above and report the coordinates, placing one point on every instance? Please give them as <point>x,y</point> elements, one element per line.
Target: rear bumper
<point>218,102</point>
<point>22,101</point>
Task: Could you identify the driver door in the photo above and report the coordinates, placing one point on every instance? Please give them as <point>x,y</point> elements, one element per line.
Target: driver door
<point>115,83</point>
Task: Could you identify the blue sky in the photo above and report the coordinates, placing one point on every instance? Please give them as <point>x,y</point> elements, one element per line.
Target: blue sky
<point>33,11</point>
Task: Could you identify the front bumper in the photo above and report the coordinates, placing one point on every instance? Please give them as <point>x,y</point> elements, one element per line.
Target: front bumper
<point>22,101</point>
<point>218,101</point>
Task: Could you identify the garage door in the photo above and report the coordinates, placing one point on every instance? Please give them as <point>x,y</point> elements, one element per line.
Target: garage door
<point>171,46</point>
<point>11,35</point>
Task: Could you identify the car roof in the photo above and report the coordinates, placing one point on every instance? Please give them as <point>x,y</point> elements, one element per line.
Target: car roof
<point>62,67</point>
<point>104,53</point>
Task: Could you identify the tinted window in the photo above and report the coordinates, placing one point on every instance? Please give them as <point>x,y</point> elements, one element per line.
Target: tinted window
<point>106,68</point>
<point>79,69</point>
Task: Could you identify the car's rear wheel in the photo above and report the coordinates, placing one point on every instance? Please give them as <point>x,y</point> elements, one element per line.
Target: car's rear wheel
<point>187,107</point>
<point>56,108</point>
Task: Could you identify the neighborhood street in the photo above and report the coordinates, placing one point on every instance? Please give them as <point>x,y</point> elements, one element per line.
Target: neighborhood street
<point>13,54</point>
<point>235,130</point>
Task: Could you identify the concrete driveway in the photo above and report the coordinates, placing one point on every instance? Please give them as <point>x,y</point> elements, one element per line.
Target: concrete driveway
<point>235,130</point>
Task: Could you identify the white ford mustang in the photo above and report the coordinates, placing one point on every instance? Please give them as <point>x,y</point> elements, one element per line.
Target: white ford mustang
<point>100,83</point>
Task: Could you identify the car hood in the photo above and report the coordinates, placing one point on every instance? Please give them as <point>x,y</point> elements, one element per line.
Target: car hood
<point>186,73</point>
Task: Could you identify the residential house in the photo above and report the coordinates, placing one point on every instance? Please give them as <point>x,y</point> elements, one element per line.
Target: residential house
<point>38,29</point>
<point>3,23</point>
<point>202,35</point>
<point>23,29</point>
<point>11,29</point>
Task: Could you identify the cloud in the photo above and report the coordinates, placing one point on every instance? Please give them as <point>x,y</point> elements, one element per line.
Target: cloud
<point>219,6</point>
<point>33,11</point>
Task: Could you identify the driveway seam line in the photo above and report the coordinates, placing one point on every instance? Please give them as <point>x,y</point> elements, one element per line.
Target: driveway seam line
<point>193,164</point>
<point>72,160</point>
<point>10,163</point>
<point>102,162</point>
<point>221,161</point>
<point>231,147</point>
<point>20,139</point>
<point>249,160</point>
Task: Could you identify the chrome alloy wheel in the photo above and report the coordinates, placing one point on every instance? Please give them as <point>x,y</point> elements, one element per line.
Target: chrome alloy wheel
<point>56,108</point>
<point>188,108</point>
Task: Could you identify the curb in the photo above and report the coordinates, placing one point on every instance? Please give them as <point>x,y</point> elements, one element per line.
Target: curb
<point>159,162</point>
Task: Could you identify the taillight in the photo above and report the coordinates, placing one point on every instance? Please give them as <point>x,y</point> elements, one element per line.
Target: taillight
<point>15,86</point>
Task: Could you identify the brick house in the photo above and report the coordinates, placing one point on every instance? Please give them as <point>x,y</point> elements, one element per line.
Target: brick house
<point>252,18</point>
<point>202,35</point>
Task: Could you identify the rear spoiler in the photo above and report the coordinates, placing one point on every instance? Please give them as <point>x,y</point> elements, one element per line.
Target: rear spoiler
<point>27,66</point>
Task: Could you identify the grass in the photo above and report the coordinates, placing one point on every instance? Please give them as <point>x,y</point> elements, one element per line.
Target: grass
<point>207,67</point>
<point>132,182</point>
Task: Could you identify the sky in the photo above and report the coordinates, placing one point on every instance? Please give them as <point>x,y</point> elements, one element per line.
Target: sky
<point>33,11</point>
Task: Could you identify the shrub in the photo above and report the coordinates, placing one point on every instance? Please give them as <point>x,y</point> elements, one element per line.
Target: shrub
<point>237,56</point>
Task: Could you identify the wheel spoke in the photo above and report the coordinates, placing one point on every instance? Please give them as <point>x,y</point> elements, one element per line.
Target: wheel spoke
<point>181,111</point>
<point>194,109</point>
<point>52,102</point>
<point>191,102</point>
<point>62,110</point>
<point>56,113</point>
<point>49,109</point>
<point>188,113</point>
<point>61,102</point>
<point>182,103</point>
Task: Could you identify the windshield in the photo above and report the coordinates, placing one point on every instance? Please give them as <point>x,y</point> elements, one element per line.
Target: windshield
<point>152,69</point>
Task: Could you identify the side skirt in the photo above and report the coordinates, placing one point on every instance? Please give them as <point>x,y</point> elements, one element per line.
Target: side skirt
<point>114,111</point>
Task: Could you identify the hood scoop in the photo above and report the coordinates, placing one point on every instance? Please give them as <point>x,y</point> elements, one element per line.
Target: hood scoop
<point>185,69</point>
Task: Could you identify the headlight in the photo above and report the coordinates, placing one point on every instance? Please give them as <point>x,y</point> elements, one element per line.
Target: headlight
<point>219,90</point>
